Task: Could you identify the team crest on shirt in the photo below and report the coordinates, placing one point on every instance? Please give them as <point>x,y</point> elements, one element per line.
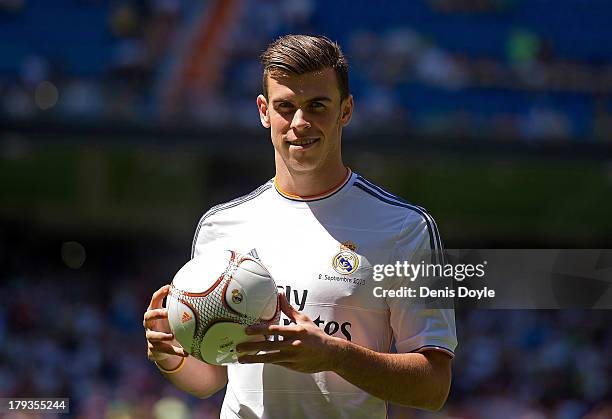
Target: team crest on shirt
<point>346,261</point>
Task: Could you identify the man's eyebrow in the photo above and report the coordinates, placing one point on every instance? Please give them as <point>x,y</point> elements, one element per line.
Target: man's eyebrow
<point>314,99</point>
<point>320,99</point>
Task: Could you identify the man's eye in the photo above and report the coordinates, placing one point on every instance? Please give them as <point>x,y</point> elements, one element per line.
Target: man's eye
<point>317,106</point>
<point>284,107</point>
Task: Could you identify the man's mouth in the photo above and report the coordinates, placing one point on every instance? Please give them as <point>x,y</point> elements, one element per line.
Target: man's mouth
<point>303,142</point>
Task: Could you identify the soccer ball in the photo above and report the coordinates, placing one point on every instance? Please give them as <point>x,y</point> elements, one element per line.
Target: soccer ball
<point>214,297</point>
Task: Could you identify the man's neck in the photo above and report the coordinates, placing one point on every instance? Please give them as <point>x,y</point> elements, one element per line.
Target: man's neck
<point>312,183</point>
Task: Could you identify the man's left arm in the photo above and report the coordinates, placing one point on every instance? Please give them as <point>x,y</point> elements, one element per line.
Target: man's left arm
<point>420,380</point>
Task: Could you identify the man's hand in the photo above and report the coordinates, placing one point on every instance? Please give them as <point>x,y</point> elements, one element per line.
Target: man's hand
<point>196,377</point>
<point>304,348</point>
<point>160,340</point>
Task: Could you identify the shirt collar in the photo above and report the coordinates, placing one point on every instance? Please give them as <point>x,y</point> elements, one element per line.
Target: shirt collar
<point>317,197</point>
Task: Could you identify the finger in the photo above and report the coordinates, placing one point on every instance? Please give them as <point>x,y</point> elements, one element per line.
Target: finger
<point>158,297</point>
<point>153,336</point>
<point>289,365</point>
<point>275,330</point>
<point>282,356</point>
<point>151,315</point>
<point>166,348</point>
<point>257,329</point>
<point>289,310</point>
<point>286,307</point>
<point>264,346</point>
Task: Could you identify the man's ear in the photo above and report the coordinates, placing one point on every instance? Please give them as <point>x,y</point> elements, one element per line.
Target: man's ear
<point>347,111</point>
<point>264,116</point>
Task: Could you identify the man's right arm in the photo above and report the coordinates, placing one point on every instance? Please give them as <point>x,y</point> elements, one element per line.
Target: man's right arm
<point>195,377</point>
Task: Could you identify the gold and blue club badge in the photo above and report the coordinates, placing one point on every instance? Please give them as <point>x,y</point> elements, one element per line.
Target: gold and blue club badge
<point>346,261</point>
<point>236,296</point>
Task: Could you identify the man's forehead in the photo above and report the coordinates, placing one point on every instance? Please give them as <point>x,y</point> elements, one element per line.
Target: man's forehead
<point>320,83</point>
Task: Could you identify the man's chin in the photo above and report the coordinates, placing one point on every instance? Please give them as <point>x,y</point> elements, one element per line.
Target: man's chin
<point>302,165</point>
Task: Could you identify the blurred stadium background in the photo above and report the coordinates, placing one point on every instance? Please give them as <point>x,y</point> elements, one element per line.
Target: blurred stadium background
<point>122,121</point>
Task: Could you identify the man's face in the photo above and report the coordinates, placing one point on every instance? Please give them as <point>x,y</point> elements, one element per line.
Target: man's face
<point>306,116</point>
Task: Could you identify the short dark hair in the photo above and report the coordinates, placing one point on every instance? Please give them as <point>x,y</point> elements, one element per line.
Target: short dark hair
<point>301,54</point>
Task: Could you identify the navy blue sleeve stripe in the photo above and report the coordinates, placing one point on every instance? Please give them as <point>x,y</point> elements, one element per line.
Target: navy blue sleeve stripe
<point>397,198</point>
<point>381,190</point>
<point>241,198</point>
<point>431,227</point>
<point>440,244</point>
<point>224,206</point>
<point>440,247</point>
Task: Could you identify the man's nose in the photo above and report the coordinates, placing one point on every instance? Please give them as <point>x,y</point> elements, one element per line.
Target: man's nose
<point>299,122</point>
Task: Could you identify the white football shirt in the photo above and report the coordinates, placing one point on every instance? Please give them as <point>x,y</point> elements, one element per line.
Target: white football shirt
<point>320,252</point>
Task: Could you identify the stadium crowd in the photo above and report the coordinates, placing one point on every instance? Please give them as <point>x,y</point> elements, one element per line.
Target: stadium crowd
<point>487,69</point>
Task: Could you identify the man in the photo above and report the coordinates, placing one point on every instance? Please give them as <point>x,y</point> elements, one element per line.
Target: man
<point>319,229</point>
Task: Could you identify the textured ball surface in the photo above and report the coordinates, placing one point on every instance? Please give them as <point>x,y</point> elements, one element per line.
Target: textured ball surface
<point>212,299</point>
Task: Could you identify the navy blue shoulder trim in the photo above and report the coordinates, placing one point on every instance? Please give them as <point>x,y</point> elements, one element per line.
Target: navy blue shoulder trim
<point>435,241</point>
<point>227,205</point>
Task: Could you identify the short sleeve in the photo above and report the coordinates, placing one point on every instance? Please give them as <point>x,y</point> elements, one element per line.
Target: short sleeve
<point>205,234</point>
<point>417,328</point>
